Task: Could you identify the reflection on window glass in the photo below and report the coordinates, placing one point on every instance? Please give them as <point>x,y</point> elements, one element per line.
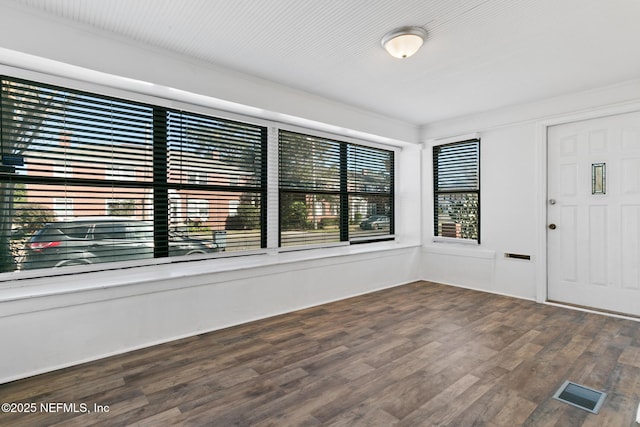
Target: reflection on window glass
<point>309,219</point>
<point>370,215</point>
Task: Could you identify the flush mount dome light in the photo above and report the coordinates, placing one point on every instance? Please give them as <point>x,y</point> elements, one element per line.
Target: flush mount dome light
<point>404,42</point>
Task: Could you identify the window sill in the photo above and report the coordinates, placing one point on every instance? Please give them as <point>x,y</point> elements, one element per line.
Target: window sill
<point>455,240</point>
<point>94,286</point>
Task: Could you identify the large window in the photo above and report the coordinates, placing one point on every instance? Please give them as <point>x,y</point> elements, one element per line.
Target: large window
<point>87,179</point>
<point>74,161</point>
<point>456,190</point>
<point>332,191</point>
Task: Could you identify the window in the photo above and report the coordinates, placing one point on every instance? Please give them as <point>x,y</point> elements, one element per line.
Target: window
<point>78,167</point>
<point>233,207</point>
<point>197,210</point>
<point>197,178</point>
<point>129,161</point>
<point>332,191</point>
<point>309,179</point>
<point>370,190</point>
<point>456,190</point>
<point>212,164</point>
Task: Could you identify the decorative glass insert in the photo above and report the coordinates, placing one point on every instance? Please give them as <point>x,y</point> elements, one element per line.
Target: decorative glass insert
<point>599,178</point>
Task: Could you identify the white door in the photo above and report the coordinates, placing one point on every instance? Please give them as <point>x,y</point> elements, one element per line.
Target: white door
<point>593,213</point>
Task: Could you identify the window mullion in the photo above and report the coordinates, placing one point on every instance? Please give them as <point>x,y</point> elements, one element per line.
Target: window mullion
<point>344,196</point>
<point>160,190</point>
<point>272,210</point>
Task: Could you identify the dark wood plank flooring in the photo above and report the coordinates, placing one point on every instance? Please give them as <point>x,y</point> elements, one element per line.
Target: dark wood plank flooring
<point>422,354</point>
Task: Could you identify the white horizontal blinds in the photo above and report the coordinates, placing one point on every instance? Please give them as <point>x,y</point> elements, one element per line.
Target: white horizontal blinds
<point>370,187</point>
<point>310,186</point>
<point>69,154</point>
<point>216,180</point>
<point>62,133</point>
<point>309,163</point>
<point>140,180</point>
<point>457,165</point>
<point>456,169</point>
<point>212,151</point>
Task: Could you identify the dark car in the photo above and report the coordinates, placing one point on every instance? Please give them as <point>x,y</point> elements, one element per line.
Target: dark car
<point>102,239</point>
<point>375,222</point>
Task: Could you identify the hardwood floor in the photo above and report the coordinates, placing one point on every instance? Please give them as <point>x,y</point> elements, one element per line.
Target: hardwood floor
<point>422,354</point>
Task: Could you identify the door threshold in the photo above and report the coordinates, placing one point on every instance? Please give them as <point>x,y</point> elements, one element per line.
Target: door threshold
<point>593,310</point>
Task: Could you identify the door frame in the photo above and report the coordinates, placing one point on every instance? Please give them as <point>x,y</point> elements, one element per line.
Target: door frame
<point>541,160</point>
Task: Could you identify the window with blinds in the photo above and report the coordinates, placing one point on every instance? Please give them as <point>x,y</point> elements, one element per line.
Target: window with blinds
<point>332,191</point>
<point>216,180</point>
<point>456,189</point>
<point>88,179</point>
<point>370,191</point>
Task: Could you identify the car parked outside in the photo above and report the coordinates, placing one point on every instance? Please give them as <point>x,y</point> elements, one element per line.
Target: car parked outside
<point>375,222</point>
<point>91,240</point>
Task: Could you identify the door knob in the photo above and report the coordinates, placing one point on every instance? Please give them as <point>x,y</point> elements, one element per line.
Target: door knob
<point>552,226</point>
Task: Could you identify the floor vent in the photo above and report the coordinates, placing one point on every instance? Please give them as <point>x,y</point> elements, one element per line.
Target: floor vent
<point>580,396</point>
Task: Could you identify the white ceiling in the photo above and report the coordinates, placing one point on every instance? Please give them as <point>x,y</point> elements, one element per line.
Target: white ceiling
<point>480,54</point>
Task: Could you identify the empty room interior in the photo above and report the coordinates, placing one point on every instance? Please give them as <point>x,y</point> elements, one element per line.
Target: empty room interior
<point>304,213</point>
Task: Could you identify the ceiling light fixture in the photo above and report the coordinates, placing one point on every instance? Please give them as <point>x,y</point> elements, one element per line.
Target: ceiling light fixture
<point>404,42</point>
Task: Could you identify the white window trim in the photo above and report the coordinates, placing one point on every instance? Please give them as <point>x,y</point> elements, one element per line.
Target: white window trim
<point>450,140</point>
<point>461,241</point>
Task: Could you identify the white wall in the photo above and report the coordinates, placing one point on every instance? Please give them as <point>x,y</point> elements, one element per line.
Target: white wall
<point>513,191</point>
<point>507,185</point>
